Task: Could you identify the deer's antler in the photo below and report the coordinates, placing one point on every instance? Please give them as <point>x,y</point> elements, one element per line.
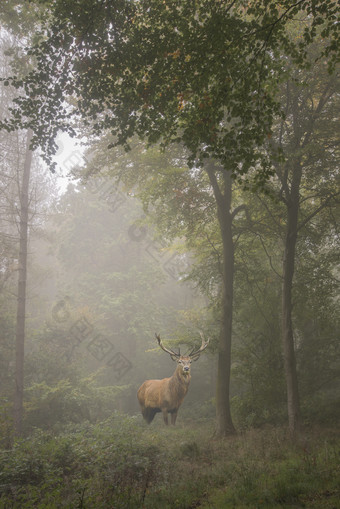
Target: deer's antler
<point>173,354</point>
<point>194,355</point>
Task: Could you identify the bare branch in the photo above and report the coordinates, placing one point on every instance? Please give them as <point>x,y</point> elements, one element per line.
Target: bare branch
<point>268,255</point>
<point>238,209</point>
<point>317,210</point>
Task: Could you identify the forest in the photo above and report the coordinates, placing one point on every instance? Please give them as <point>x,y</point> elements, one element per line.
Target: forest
<point>169,213</point>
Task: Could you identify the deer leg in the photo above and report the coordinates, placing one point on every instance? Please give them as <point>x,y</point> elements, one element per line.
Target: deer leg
<point>165,416</point>
<point>174,417</point>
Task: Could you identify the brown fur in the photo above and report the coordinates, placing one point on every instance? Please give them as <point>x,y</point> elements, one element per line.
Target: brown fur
<point>165,395</point>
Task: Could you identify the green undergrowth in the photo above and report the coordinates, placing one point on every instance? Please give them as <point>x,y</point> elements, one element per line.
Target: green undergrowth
<point>122,463</point>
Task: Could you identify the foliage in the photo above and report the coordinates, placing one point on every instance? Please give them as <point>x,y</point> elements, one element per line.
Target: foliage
<point>201,73</point>
<point>65,402</point>
<point>122,463</point>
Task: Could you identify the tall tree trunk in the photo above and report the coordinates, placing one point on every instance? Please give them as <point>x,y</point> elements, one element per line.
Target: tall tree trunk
<point>293,401</point>
<point>303,125</point>
<point>224,423</point>
<point>223,415</point>
<point>21,302</point>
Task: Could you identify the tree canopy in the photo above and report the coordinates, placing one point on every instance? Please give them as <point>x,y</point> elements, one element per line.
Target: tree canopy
<point>202,73</point>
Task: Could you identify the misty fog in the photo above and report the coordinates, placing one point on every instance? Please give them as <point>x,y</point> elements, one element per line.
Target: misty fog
<point>169,211</point>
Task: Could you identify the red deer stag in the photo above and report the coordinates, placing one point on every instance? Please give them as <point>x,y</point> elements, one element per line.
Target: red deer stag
<point>167,395</point>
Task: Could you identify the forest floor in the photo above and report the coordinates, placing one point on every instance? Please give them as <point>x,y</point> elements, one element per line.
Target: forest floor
<point>123,463</point>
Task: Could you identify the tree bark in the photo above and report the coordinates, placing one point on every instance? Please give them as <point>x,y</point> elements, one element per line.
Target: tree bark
<point>223,415</point>
<point>224,423</point>
<point>21,299</point>
<point>293,401</point>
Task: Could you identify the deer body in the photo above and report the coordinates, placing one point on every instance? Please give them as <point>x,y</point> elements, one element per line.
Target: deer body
<point>164,396</point>
<point>167,395</point>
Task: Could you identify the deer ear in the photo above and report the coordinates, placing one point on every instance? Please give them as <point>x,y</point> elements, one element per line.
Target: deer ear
<point>195,358</point>
<point>174,358</point>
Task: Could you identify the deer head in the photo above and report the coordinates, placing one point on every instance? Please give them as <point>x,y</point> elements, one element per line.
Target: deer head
<point>184,361</point>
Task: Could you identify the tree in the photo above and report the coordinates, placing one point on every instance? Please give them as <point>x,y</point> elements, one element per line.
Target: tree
<point>305,147</point>
<point>223,194</point>
<point>16,189</point>
<point>15,192</point>
<point>22,279</point>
